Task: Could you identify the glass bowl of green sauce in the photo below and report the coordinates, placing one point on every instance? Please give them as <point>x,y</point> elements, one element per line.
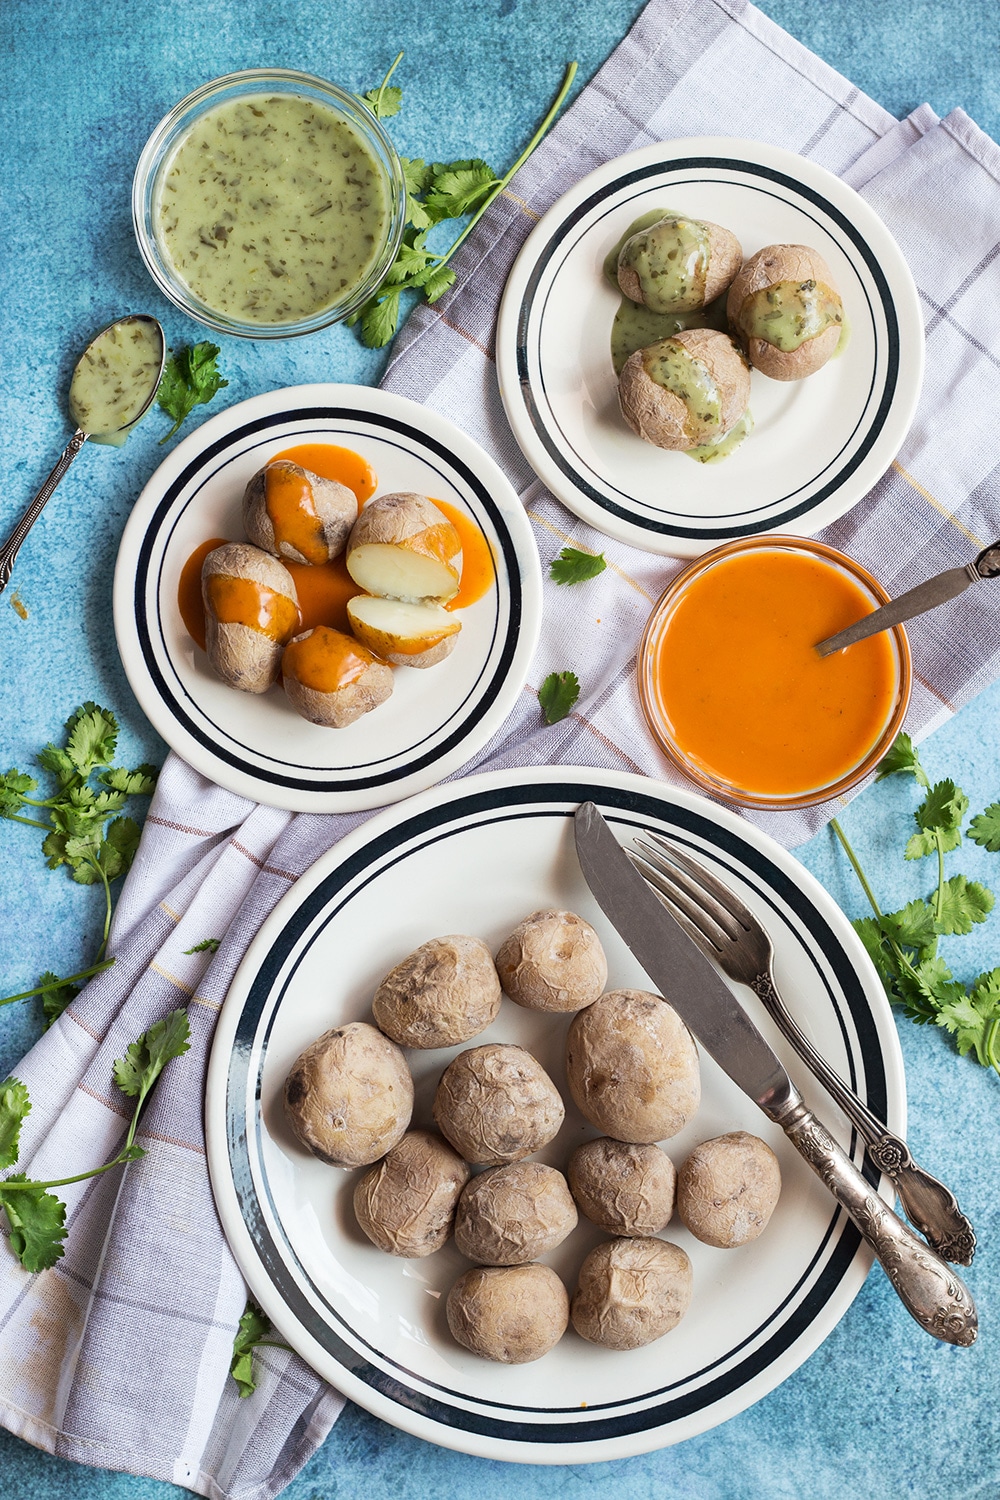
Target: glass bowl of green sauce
<point>269,203</point>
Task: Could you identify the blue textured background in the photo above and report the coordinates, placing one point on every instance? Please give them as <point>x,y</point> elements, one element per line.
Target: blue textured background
<point>880,1410</point>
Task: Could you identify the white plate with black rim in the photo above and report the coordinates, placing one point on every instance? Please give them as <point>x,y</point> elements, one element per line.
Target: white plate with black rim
<point>257,745</point>
<point>818,445</point>
<point>475,857</point>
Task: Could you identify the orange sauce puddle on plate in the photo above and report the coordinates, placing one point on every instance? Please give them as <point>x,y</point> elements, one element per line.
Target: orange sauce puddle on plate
<point>743,691</point>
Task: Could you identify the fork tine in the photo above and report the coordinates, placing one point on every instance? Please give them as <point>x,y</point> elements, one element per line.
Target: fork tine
<point>694,883</point>
<point>717,888</point>
<point>671,900</point>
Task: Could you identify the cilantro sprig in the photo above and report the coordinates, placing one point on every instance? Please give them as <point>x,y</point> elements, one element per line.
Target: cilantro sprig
<point>190,378</point>
<point>435,192</point>
<point>557,695</point>
<point>903,945</point>
<point>36,1217</point>
<point>574,566</point>
<point>253,1333</point>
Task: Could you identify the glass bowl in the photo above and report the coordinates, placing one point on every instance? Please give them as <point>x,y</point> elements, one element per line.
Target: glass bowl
<point>697,769</point>
<point>167,137</point>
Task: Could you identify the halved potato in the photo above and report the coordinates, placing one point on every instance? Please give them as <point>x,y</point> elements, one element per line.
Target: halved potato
<point>408,635</point>
<point>403,547</point>
<point>331,679</point>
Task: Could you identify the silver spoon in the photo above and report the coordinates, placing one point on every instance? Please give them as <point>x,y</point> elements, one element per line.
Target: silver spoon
<point>112,389</point>
<point>929,595</point>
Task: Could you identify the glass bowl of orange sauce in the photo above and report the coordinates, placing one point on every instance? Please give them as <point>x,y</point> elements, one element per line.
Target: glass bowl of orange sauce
<point>734,691</point>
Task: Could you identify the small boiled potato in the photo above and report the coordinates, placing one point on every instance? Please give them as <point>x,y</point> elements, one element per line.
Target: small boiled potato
<point>508,1216</point>
<point>251,610</point>
<point>553,960</point>
<point>512,1314</point>
<point>803,280</point>
<point>331,679</point>
<point>656,266</point>
<point>406,1203</point>
<point>632,1066</point>
<point>631,1292</point>
<point>294,513</point>
<point>444,993</point>
<point>667,420</point>
<point>728,1188</point>
<point>408,635</point>
<point>497,1104</point>
<point>349,1096</point>
<point>403,547</point>
<point>623,1187</point>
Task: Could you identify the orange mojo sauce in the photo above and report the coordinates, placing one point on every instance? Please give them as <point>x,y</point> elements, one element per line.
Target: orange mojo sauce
<point>326,660</point>
<point>745,695</point>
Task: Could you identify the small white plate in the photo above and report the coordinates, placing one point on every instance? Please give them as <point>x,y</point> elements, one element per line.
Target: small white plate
<point>476,856</point>
<point>819,444</point>
<point>257,745</point>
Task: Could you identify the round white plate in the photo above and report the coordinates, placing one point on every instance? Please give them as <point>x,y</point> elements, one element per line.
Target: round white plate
<point>257,745</point>
<point>475,857</point>
<point>818,445</point>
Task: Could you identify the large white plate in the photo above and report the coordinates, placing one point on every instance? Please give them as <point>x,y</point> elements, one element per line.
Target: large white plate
<point>257,745</point>
<point>475,857</point>
<point>819,444</point>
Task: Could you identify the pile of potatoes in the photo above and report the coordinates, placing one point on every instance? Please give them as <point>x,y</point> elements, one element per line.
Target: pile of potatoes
<point>784,314</point>
<point>632,1069</point>
<point>400,549</point>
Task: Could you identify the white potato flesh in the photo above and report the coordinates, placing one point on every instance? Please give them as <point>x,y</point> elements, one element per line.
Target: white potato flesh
<point>396,571</point>
<point>403,547</point>
<point>408,635</point>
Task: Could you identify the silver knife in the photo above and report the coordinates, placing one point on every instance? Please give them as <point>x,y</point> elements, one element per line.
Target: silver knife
<point>917,601</point>
<point>926,1285</point>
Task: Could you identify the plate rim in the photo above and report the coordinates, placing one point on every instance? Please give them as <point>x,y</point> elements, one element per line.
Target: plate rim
<point>218,1125</point>
<point>892,265</point>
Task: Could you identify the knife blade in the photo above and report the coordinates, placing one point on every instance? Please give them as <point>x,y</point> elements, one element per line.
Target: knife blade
<point>926,1285</point>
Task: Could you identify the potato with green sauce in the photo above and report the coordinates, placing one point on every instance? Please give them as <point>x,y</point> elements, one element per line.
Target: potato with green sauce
<point>786,310</point>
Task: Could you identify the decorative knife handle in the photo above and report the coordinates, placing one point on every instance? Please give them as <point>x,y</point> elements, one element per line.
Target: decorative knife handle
<point>928,1288</point>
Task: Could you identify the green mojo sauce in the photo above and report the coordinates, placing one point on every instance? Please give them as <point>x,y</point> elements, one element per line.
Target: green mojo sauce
<point>636,326</point>
<point>789,313</point>
<point>670,258</point>
<point>671,366</point>
<point>271,209</point>
<point>722,447</point>
<point>115,379</point>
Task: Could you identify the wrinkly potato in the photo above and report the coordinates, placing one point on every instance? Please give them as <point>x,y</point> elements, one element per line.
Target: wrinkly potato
<point>291,512</point>
<point>716,367</point>
<point>797,268</point>
<point>624,1188</point>
<point>403,547</point>
<point>633,1067</point>
<point>648,272</point>
<point>631,1292</point>
<point>331,679</point>
<point>497,1104</point>
<point>553,960</point>
<point>442,994</point>
<point>251,611</point>
<point>349,1096</point>
<point>508,1216</point>
<point>512,1314</point>
<point>728,1189</point>
<point>408,635</point>
<point>406,1203</point>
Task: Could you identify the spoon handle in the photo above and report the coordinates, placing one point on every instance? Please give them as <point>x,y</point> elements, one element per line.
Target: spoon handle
<point>12,546</point>
<point>914,602</point>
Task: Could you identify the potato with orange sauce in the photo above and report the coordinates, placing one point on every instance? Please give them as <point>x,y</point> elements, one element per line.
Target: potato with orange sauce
<point>408,635</point>
<point>291,512</point>
<point>331,679</point>
<point>403,547</point>
<point>251,611</point>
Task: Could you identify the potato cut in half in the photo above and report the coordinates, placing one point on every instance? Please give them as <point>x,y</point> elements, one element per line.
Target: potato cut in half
<point>403,547</point>
<point>408,635</point>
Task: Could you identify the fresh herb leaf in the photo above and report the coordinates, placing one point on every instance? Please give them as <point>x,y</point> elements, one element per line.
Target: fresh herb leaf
<point>973,1019</point>
<point>939,818</point>
<point>15,1106</point>
<point>458,188</point>
<point>557,694</point>
<point>572,566</point>
<point>37,1222</point>
<point>873,938</point>
<point>985,828</point>
<point>253,1327</point>
<point>207,945</point>
<point>964,903</point>
<point>14,788</point>
<point>913,926</point>
<point>91,738</point>
<point>190,378</point>
<point>902,758</point>
<point>137,1072</point>
<point>384,102</point>
<point>436,282</point>
<point>380,320</point>
<point>57,994</point>
<point>138,783</point>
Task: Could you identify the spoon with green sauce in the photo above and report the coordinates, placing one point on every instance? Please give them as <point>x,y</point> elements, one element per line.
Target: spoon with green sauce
<point>113,386</point>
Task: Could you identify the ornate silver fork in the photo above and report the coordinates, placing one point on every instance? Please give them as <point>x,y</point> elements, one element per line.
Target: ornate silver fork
<point>727,931</point>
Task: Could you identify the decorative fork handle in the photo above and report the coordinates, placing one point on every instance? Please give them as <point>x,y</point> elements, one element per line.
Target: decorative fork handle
<point>12,546</point>
<point>928,1204</point>
<point>928,1288</point>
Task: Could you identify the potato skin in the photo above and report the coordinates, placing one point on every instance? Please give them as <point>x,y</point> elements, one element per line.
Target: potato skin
<point>443,993</point>
<point>497,1104</point>
<point>406,1203</point>
<point>631,1292</point>
<point>508,1216</point>
<point>632,1066</point>
<point>511,1314</point>
<point>728,1189</point>
<point>349,1095</point>
<point>244,658</point>
<point>624,1188</point>
<point>336,507</point>
<point>768,266</point>
<point>553,960</point>
<point>402,520</point>
<point>724,258</point>
<point>338,709</point>
<point>658,416</point>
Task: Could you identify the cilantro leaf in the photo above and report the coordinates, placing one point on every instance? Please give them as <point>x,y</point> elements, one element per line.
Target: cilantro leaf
<point>572,566</point>
<point>117,850</point>
<point>902,758</point>
<point>207,945</point>
<point>384,102</point>
<point>91,738</point>
<point>14,787</point>
<point>972,1018</point>
<point>985,828</point>
<point>15,1106</point>
<point>873,939</point>
<point>190,378</point>
<point>253,1326</point>
<point>557,694</point>
<point>380,319</point>
<point>138,783</point>
<point>913,926</point>
<point>437,281</point>
<point>145,1059</point>
<point>37,1222</point>
<point>56,996</point>
<point>458,188</point>
<point>964,903</point>
<point>939,816</point>
<point>51,758</point>
<point>929,987</point>
<point>417,173</point>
